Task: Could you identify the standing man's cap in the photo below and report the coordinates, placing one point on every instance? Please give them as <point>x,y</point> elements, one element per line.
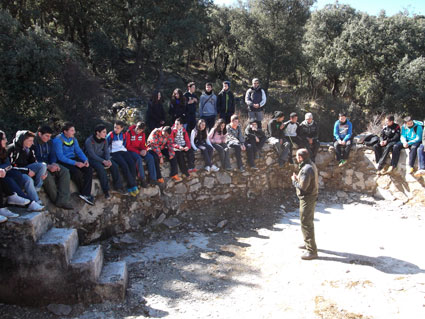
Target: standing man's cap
<point>293,114</point>
<point>255,80</point>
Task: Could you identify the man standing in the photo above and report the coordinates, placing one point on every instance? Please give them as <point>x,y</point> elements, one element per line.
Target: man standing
<point>343,131</point>
<point>255,98</point>
<point>191,106</point>
<point>226,102</point>
<point>390,135</point>
<point>57,181</point>
<point>306,184</point>
<point>208,106</point>
<point>309,132</point>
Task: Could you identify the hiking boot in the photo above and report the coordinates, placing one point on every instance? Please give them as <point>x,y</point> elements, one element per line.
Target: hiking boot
<point>17,200</point>
<point>302,247</point>
<point>309,256</point>
<point>176,178</point>
<point>87,198</point>
<point>35,207</point>
<point>3,219</point>
<point>66,206</point>
<point>7,213</point>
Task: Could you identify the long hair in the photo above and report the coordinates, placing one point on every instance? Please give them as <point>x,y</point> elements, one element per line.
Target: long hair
<point>201,135</point>
<point>181,97</point>
<point>217,127</point>
<point>154,97</point>
<point>3,151</point>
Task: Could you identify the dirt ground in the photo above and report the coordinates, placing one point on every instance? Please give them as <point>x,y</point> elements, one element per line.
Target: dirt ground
<point>242,261</point>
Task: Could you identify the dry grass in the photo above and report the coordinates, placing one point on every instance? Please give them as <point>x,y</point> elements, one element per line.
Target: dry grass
<point>326,309</point>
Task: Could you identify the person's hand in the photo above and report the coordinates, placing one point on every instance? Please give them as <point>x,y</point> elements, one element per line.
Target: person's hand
<point>405,145</point>
<point>31,173</point>
<point>294,177</point>
<point>256,106</point>
<point>243,148</point>
<point>107,163</point>
<point>281,141</point>
<point>282,126</point>
<point>161,161</point>
<point>383,143</point>
<point>143,152</point>
<point>310,140</point>
<point>257,139</point>
<point>53,168</point>
<point>79,164</point>
<point>343,142</point>
<point>161,122</point>
<point>2,173</point>
<point>43,177</point>
<point>86,164</point>
<point>185,148</point>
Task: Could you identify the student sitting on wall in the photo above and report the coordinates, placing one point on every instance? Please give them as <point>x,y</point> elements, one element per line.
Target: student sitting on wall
<point>276,135</point>
<point>136,145</point>
<point>292,134</point>
<point>255,137</point>
<point>217,136</point>
<point>343,132</point>
<point>182,148</point>
<point>390,135</point>
<point>70,155</point>
<point>100,159</point>
<point>236,140</point>
<point>159,145</point>
<point>119,154</point>
<point>200,141</point>
<point>309,133</point>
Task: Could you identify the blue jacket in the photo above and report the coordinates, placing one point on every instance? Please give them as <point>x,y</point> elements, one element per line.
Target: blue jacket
<point>44,151</point>
<point>68,153</point>
<point>343,131</point>
<point>411,135</point>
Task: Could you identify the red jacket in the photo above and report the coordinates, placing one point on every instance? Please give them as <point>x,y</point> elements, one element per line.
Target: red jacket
<point>135,142</point>
<point>185,135</point>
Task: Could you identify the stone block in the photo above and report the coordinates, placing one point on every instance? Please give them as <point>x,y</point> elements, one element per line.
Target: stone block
<point>209,182</point>
<point>87,262</point>
<point>112,282</point>
<point>180,188</point>
<point>223,178</point>
<point>59,244</point>
<point>195,187</point>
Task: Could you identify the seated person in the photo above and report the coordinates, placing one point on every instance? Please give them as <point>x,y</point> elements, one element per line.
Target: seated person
<point>119,154</point>
<point>309,133</point>
<point>411,138</point>
<point>421,157</point>
<point>58,179</point>
<point>255,137</point>
<point>70,155</point>
<point>390,135</point>
<point>217,136</point>
<point>159,145</point>
<point>343,132</point>
<point>276,135</point>
<point>136,146</point>
<point>236,141</point>
<point>292,134</point>
<point>182,148</point>
<point>100,159</point>
<point>200,141</point>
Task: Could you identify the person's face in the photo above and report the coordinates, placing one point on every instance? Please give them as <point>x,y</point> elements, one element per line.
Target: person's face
<point>222,126</point>
<point>225,86</point>
<point>281,119</point>
<point>256,84</point>
<point>342,118</point>
<point>309,120</point>
<point>202,126</point>
<point>159,96</point>
<point>44,137</point>
<point>178,125</point>
<point>409,124</point>
<point>177,95</point>
<point>138,131</point>
<point>208,88</point>
<point>101,134</point>
<point>4,141</point>
<point>254,126</point>
<point>294,119</point>
<point>192,89</point>
<point>28,142</point>
<point>388,122</point>
<point>165,133</point>
<point>70,132</point>
<point>235,122</point>
<point>299,158</point>
<point>117,129</point>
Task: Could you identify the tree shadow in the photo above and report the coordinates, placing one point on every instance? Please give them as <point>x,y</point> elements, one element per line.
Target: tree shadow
<point>386,264</point>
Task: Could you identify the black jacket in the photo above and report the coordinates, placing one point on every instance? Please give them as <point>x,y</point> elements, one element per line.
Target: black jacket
<point>192,107</point>
<point>178,110</point>
<point>221,102</point>
<point>390,133</point>
<point>273,129</point>
<point>311,131</point>
<point>154,115</point>
<point>250,134</point>
<point>17,155</point>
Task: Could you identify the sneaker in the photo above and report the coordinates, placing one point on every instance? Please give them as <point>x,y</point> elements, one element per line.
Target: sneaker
<point>66,206</point>
<point>390,170</point>
<point>3,219</point>
<point>143,183</point>
<point>229,169</point>
<point>342,163</point>
<point>17,200</point>
<point>161,180</point>
<point>215,168</point>
<point>410,170</point>
<point>254,168</point>
<point>420,172</point>
<point>207,168</point>
<point>242,169</point>
<point>7,213</point>
<point>192,170</point>
<point>35,207</point>
<point>120,191</point>
<point>176,178</point>
<point>107,196</point>
<point>135,192</point>
<point>382,171</point>
<point>87,199</point>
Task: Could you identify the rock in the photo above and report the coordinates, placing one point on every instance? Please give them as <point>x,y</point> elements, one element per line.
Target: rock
<point>125,239</point>
<point>151,191</point>
<point>269,161</point>
<point>59,309</point>
<point>180,188</point>
<point>209,182</point>
<point>160,219</point>
<point>223,178</point>
<point>193,181</point>
<point>171,222</point>
<point>341,194</point>
<point>195,187</point>
<point>222,223</point>
<point>325,174</point>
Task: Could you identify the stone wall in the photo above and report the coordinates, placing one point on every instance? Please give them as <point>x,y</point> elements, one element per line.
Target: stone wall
<point>125,213</point>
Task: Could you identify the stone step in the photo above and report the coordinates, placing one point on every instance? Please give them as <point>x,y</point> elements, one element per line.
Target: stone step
<point>28,226</point>
<point>112,282</point>
<point>58,245</point>
<point>87,262</point>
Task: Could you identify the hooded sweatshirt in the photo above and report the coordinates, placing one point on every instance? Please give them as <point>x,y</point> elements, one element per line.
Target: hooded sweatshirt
<point>343,130</point>
<point>18,155</point>
<point>135,142</point>
<point>67,149</point>
<point>208,104</point>
<point>44,151</point>
<point>411,135</point>
<point>97,149</point>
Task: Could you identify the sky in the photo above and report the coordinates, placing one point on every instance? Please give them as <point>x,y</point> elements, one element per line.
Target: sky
<point>372,7</point>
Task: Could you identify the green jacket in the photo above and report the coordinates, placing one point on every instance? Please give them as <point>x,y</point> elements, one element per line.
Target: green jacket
<point>308,180</point>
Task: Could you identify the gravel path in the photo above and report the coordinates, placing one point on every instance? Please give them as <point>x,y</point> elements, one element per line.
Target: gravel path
<point>371,264</point>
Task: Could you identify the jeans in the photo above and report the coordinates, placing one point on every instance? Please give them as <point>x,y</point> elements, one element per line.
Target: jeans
<point>16,182</point>
<point>382,152</point>
<point>149,160</point>
<point>342,151</point>
<point>257,146</point>
<point>421,157</point>
<point>82,177</point>
<point>103,175</point>
<point>238,153</point>
<point>412,155</point>
<point>223,152</point>
<point>207,153</point>
<point>39,169</point>
<point>257,117</point>
<point>126,164</point>
<point>30,188</point>
<point>209,120</point>
<point>173,163</point>
<point>282,149</point>
<point>182,157</point>
<point>5,191</point>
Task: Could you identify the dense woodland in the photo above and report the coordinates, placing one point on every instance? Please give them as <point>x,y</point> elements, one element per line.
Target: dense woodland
<point>72,59</point>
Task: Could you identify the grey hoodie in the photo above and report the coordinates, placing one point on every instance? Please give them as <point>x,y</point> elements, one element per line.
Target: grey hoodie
<point>208,105</point>
<point>97,151</point>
